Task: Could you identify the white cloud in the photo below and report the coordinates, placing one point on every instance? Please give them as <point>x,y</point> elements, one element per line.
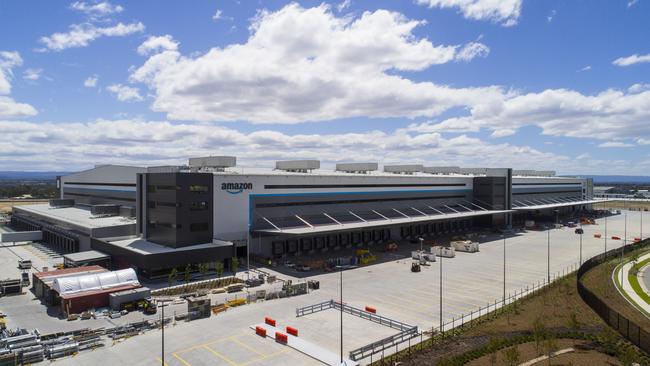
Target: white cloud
<point>125,93</point>
<point>91,81</point>
<point>631,3</point>
<point>615,144</point>
<point>47,145</point>
<point>505,12</point>
<point>631,60</point>
<point>551,15</point>
<point>503,132</point>
<point>8,106</point>
<point>586,68</point>
<point>103,8</point>
<point>611,114</point>
<point>32,74</point>
<point>80,35</point>
<point>8,60</point>
<point>217,15</point>
<point>307,65</point>
<point>343,5</point>
<point>637,88</point>
<point>155,44</point>
<point>472,50</point>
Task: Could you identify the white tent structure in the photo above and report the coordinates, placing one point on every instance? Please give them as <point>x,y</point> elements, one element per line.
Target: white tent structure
<point>96,281</point>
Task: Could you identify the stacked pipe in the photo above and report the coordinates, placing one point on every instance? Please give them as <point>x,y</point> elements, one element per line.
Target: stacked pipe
<point>63,350</point>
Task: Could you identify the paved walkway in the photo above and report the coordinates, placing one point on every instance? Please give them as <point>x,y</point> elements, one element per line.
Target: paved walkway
<point>626,286</point>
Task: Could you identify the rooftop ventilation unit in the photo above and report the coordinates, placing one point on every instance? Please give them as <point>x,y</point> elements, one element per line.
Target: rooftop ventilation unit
<point>60,203</point>
<point>212,163</point>
<point>403,169</point>
<point>473,171</point>
<point>357,167</point>
<point>164,169</point>
<point>105,210</point>
<point>533,173</point>
<point>300,166</point>
<point>442,169</point>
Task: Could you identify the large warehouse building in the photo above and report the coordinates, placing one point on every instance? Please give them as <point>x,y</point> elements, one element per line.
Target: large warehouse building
<point>160,217</point>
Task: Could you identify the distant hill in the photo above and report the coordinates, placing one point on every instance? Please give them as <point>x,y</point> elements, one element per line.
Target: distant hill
<point>15,175</point>
<point>621,179</point>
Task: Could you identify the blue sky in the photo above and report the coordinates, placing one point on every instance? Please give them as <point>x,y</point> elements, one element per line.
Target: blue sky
<point>560,85</point>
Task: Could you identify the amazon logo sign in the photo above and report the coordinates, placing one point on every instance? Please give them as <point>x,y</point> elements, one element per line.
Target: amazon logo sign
<point>236,188</point>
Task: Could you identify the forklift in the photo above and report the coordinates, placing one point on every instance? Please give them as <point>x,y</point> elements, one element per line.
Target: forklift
<point>415,266</point>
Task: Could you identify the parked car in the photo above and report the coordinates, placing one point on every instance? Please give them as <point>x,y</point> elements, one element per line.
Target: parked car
<point>289,264</point>
<point>303,268</point>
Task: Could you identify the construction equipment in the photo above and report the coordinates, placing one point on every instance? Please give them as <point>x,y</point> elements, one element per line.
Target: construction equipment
<point>415,267</point>
<point>365,256</point>
<point>391,247</point>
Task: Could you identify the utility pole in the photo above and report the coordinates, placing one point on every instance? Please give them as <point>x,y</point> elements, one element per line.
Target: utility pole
<point>581,245</point>
<point>421,239</point>
<point>162,328</point>
<point>606,214</point>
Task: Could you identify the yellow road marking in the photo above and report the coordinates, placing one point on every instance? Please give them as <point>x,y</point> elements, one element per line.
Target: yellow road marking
<point>161,361</point>
<point>265,357</point>
<point>207,343</point>
<point>181,359</point>
<point>229,361</point>
<point>244,345</point>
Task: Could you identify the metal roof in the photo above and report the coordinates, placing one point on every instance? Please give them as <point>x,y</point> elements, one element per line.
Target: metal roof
<point>86,256</point>
<point>362,224</point>
<point>546,203</point>
<point>75,216</point>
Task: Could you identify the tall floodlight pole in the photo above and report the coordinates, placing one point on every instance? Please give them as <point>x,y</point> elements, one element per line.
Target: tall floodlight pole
<point>162,326</point>
<point>641,228</point>
<point>581,245</point>
<point>548,257</point>
<point>504,268</point>
<point>440,306</point>
<point>341,286</point>
<point>606,214</point>
<point>248,250</point>
<point>623,246</point>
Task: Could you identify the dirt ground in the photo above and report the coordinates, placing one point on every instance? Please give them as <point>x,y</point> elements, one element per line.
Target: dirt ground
<point>621,205</point>
<point>528,351</point>
<point>5,206</point>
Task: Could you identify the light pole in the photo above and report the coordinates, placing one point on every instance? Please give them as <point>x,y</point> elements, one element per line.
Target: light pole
<point>341,303</point>
<point>248,249</point>
<point>548,256</point>
<point>162,328</point>
<point>504,268</point>
<point>606,214</point>
<point>623,246</point>
<point>581,232</point>
<point>421,239</point>
<point>441,330</point>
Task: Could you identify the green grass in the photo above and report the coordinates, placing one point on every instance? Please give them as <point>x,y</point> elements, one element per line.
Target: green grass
<point>634,282</point>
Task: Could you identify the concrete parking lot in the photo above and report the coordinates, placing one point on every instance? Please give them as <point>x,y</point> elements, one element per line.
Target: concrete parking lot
<point>469,281</point>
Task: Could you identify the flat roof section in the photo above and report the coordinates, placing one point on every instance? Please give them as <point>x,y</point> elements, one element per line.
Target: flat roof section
<point>90,255</point>
<point>376,223</point>
<point>75,216</point>
<point>145,247</point>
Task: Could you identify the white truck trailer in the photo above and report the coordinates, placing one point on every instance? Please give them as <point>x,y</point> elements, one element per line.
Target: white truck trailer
<point>440,251</point>
<point>465,246</point>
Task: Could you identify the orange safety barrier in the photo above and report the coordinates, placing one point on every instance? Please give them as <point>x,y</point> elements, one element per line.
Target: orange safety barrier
<point>269,321</point>
<point>598,236</point>
<point>370,309</point>
<point>281,337</point>
<point>260,331</point>
<point>615,238</point>
<point>293,331</point>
